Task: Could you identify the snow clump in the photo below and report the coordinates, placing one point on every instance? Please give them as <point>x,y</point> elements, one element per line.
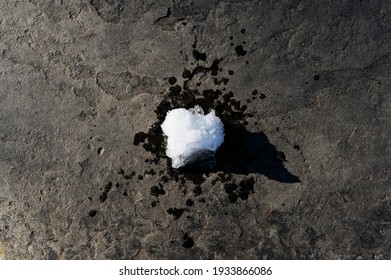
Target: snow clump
<point>191,134</point>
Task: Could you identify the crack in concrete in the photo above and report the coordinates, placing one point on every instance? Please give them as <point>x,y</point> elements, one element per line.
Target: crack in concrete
<point>168,14</point>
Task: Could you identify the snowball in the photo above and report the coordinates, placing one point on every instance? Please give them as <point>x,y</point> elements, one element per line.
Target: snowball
<point>190,134</point>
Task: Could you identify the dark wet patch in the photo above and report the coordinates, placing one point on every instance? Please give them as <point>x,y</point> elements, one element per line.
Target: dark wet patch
<point>213,70</point>
<point>199,55</point>
<point>179,97</point>
<point>139,138</point>
<point>195,178</point>
<point>230,187</point>
<point>157,190</point>
<point>130,175</point>
<point>246,187</point>
<point>92,213</point>
<point>224,177</point>
<point>242,152</point>
<point>164,179</point>
<point>150,172</point>
<point>240,51</point>
<point>242,191</point>
<point>189,202</point>
<point>222,81</point>
<point>188,242</point>
<point>155,140</point>
<point>186,74</point>
<point>197,190</point>
<point>172,80</point>
<point>176,212</point>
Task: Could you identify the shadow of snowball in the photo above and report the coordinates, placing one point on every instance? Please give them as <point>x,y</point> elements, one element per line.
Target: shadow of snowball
<point>245,152</point>
<point>242,152</point>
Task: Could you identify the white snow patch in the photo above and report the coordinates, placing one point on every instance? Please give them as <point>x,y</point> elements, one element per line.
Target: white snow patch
<point>190,132</point>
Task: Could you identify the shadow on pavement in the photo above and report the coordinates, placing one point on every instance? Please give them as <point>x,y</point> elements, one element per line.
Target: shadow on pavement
<point>245,152</point>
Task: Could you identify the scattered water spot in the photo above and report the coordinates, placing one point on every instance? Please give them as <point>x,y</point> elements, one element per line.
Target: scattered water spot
<point>189,202</point>
<point>234,191</point>
<point>139,138</point>
<point>176,212</point>
<point>199,55</point>
<point>242,152</point>
<point>157,190</point>
<point>130,176</point>
<point>172,80</point>
<point>150,172</point>
<point>230,187</point>
<point>240,51</point>
<point>197,190</point>
<point>92,213</point>
<point>188,241</point>
<point>186,74</point>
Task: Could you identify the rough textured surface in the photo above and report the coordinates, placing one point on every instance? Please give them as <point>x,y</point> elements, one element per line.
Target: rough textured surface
<point>81,171</point>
